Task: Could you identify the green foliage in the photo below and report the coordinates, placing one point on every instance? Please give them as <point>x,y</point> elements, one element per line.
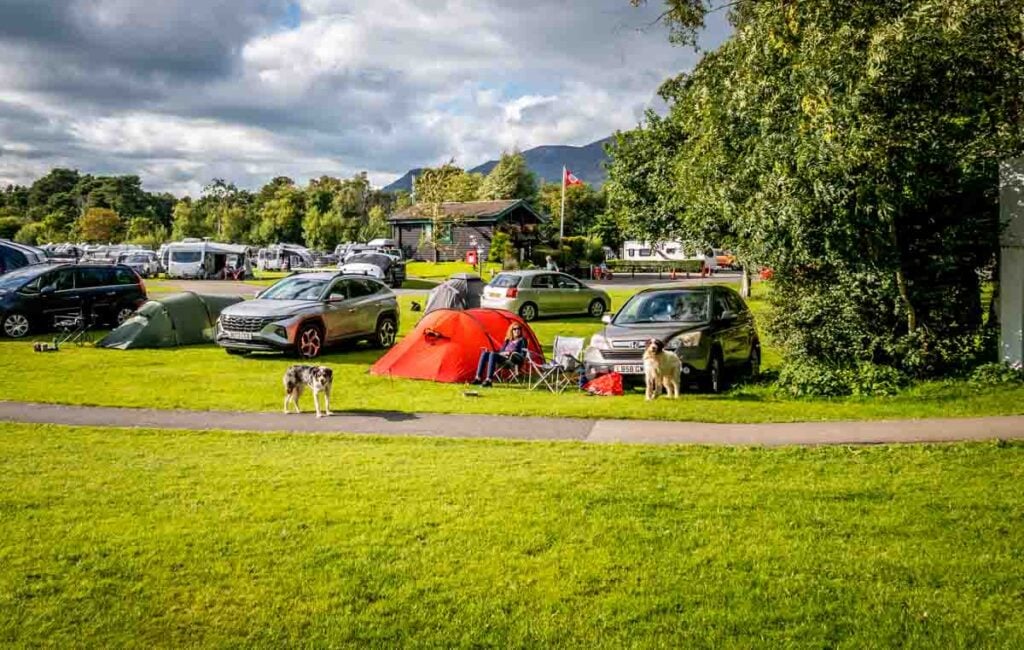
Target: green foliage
<point>377,225</point>
<point>853,149</point>
<point>807,378</point>
<point>511,178</point>
<point>281,216</point>
<point>656,266</point>
<point>9,226</point>
<point>583,205</point>
<point>995,374</point>
<point>99,226</point>
<point>145,232</point>
<point>187,221</point>
<point>33,234</point>
<point>501,250</point>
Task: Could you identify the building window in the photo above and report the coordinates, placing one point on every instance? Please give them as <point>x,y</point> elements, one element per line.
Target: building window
<point>444,233</point>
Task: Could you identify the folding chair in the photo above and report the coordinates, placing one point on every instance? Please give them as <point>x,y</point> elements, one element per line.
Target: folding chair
<point>513,370</point>
<point>563,368</point>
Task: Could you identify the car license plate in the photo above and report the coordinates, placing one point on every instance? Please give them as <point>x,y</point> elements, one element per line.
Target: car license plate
<point>241,336</point>
<point>494,293</point>
<point>629,369</point>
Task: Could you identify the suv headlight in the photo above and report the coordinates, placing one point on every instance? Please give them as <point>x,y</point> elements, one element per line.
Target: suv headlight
<point>688,340</point>
<point>599,341</point>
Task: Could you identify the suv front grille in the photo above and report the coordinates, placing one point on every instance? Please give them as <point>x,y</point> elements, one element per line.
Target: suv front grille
<point>623,355</point>
<point>243,323</point>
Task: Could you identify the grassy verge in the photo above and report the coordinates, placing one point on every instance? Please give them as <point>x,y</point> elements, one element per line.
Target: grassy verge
<point>441,270</point>
<point>115,538</point>
<point>204,377</point>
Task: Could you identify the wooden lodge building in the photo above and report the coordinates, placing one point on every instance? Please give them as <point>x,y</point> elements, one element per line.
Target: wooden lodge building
<point>450,237</point>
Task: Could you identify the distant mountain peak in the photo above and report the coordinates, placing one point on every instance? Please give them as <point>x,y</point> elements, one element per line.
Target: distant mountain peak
<point>546,161</point>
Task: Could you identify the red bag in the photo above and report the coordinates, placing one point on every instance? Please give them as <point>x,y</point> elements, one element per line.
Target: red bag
<point>609,384</point>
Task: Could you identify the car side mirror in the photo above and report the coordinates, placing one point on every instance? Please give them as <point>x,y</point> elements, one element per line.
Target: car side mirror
<point>728,314</point>
<point>45,291</point>
<point>607,319</point>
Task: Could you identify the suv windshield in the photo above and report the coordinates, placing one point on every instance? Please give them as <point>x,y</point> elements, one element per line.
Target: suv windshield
<point>505,280</point>
<point>295,289</point>
<point>665,306</point>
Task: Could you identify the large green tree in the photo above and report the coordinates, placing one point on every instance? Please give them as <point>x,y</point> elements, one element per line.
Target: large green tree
<point>510,179</point>
<point>852,147</point>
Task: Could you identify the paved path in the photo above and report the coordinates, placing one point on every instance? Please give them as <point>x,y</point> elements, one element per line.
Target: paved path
<point>531,428</point>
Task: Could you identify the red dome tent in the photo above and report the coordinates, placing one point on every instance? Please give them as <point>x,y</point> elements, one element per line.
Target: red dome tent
<point>446,344</point>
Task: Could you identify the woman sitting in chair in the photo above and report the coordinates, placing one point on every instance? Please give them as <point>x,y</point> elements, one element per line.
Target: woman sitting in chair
<point>512,351</point>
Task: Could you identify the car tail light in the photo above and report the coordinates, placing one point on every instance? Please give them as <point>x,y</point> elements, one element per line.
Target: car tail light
<point>511,292</point>
<point>142,284</point>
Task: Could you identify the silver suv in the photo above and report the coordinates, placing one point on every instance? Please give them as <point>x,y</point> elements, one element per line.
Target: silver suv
<point>306,312</point>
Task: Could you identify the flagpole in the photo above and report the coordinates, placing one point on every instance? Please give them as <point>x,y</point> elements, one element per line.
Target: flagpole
<point>561,220</point>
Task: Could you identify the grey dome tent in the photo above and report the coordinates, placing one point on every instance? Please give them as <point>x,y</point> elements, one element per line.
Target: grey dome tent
<point>169,321</point>
<point>460,291</point>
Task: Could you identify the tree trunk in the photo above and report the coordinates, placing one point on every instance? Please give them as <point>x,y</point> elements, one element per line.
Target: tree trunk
<point>745,281</point>
<point>901,280</point>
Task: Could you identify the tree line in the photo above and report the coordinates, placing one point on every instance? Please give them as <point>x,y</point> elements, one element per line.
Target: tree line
<point>65,205</point>
<point>854,148</point>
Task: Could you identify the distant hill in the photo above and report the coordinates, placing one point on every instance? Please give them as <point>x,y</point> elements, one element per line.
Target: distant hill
<point>586,162</point>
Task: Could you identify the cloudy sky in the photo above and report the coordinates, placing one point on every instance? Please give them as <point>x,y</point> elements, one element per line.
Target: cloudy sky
<point>183,91</point>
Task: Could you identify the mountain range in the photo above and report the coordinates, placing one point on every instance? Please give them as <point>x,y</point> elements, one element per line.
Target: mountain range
<point>586,163</point>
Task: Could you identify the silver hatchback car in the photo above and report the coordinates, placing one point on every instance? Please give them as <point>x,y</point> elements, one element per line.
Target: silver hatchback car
<point>543,293</point>
<point>306,312</point>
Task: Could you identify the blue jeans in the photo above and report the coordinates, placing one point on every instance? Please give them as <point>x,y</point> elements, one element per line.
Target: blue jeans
<point>488,361</point>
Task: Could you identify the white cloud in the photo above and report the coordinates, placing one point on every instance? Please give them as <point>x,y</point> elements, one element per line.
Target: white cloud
<point>225,89</point>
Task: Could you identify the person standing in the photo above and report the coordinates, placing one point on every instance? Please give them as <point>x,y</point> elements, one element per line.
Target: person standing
<point>550,264</point>
<point>710,264</point>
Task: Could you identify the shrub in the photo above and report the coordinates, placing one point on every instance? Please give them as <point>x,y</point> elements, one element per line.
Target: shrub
<point>994,374</point>
<point>807,378</point>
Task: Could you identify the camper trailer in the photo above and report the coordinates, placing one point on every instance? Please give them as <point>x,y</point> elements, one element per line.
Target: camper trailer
<point>284,257</point>
<point>204,260</point>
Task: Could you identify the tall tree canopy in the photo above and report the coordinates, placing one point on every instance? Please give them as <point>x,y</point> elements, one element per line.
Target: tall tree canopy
<point>851,146</point>
<point>511,178</point>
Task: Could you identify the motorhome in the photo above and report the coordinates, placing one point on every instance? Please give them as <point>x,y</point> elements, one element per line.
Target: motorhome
<point>284,257</point>
<point>207,260</point>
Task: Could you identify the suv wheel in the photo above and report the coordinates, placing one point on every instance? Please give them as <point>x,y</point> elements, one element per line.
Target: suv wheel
<point>596,308</point>
<point>123,314</point>
<point>387,331</point>
<point>16,325</point>
<point>528,312</point>
<point>716,373</point>
<point>309,342</point>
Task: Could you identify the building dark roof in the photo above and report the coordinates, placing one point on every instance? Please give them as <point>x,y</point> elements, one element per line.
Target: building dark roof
<point>469,210</point>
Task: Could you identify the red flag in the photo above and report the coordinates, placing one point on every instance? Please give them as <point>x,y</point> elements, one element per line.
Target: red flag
<point>569,180</point>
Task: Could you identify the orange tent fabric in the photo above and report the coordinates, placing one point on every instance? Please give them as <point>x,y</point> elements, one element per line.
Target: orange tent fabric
<point>446,345</point>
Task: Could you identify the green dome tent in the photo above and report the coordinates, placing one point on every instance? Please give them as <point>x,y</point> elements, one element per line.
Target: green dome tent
<point>178,319</point>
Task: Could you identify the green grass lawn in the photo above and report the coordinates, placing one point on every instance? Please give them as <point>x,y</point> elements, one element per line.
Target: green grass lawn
<point>115,538</point>
<point>204,377</point>
<point>441,270</point>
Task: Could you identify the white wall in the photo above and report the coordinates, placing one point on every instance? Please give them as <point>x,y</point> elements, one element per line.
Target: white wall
<point>670,250</point>
<point>1011,261</point>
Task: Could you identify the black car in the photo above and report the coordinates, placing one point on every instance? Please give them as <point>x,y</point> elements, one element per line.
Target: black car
<point>710,329</point>
<point>15,256</point>
<point>32,298</point>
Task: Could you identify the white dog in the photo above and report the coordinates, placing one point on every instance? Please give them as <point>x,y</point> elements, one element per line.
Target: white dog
<point>318,378</point>
<point>661,369</point>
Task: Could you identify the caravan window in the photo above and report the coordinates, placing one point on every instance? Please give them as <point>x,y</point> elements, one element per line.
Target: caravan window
<point>645,252</point>
<point>186,257</point>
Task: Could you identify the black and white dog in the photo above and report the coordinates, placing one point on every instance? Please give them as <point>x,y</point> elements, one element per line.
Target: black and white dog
<point>318,378</point>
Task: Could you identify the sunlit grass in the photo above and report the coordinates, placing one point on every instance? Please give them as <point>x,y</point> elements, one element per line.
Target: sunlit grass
<point>178,539</point>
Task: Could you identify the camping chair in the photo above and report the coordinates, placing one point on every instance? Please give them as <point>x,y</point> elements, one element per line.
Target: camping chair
<point>74,328</point>
<point>514,370</point>
<point>564,367</point>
